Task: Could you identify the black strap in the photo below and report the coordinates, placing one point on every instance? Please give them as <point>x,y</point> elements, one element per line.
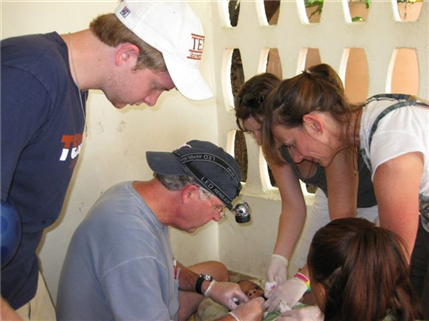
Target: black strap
<point>187,161</point>
<point>408,101</point>
<point>200,281</point>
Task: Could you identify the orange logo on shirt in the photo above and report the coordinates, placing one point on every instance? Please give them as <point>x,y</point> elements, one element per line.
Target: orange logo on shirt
<point>72,146</point>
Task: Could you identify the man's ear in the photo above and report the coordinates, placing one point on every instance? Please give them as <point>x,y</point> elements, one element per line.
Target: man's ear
<point>313,124</point>
<point>189,192</point>
<point>127,54</point>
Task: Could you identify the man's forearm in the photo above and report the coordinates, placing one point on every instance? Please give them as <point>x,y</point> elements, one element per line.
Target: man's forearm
<point>188,279</point>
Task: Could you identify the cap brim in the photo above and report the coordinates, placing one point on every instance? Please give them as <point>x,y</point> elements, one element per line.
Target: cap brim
<point>165,163</point>
<point>188,81</point>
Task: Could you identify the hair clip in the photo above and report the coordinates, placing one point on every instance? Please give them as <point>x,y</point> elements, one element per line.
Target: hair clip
<point>252,100</point>
<point>307,72</point>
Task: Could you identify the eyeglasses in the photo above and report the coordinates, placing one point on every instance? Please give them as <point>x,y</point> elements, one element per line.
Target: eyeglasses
<point>252,100</point>
<point>217,208</point>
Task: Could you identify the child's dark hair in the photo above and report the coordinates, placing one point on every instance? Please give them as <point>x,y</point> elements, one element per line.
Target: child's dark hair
<point>364,271</point>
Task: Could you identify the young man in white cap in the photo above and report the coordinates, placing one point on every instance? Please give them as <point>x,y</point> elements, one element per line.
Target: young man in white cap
<point>119,265</point>
<point>133,55</point>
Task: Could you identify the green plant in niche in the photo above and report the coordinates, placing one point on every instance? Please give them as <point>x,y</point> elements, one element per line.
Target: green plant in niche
<point>359,18</point>
<point>234,8</point>
<point>318,6</point>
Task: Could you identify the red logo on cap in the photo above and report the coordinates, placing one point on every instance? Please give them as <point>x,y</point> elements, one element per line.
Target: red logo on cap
<point>198,44</point>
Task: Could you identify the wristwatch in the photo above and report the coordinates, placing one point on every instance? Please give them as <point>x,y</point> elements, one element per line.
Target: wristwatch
<point>200,280</point>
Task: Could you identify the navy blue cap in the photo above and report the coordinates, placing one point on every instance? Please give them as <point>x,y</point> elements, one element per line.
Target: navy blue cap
<point>212,167</point>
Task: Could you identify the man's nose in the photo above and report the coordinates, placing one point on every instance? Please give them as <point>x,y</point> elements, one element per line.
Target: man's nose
<point>217,217</point>
<point>151,99</point>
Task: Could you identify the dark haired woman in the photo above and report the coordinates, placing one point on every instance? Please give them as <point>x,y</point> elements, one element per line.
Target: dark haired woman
<point>295,223</point>
<point>360,272</point>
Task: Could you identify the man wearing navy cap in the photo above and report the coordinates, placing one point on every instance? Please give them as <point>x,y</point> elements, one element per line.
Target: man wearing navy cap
<point>119,264</point>
<point>132,55</point>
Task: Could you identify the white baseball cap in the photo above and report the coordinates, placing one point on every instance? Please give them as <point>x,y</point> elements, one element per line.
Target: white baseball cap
<point>174,29</point>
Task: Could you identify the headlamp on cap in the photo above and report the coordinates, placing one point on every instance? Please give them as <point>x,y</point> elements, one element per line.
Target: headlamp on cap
<point>242,212</point>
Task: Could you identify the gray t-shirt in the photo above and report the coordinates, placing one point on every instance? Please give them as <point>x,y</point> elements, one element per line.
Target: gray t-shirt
<point>119,264</point>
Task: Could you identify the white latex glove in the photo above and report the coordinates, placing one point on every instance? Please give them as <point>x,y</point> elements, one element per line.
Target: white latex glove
<point>277,269</point>
<point>229,294</point>
<point>311,313</point>
<point>250,311</point>
<point>269,287</point>
<point>288,293</point>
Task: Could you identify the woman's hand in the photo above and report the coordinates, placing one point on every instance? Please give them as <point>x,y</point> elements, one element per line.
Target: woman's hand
<point>286,295</point>
<point>250,311</point>
<point>277,269</point>
<point>311,313</point>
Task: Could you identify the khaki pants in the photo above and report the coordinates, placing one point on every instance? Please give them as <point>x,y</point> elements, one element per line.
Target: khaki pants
<point>40,307</point>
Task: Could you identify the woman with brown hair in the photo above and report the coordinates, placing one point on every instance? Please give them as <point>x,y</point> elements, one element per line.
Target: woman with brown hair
<point>311,115</point>
<point>296,227</point>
